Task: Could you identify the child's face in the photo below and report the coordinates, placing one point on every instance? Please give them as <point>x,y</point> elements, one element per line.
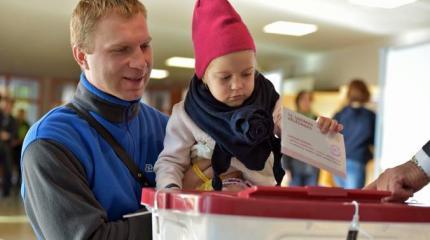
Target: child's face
<point>230,78</point>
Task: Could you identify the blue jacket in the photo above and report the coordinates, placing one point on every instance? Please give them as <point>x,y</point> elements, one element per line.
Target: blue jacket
<point>358,132</point>
<point>62,138</point>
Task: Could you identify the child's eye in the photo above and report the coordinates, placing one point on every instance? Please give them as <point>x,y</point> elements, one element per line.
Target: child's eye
<point>226,77</point>
<point>247,74</point>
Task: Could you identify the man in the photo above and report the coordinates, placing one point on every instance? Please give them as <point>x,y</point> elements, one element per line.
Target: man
<point>406,179</point>
<point>74,184</point>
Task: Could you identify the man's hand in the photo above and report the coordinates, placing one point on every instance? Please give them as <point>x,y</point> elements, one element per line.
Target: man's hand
<point>191,181</point>
<point>402,181</point>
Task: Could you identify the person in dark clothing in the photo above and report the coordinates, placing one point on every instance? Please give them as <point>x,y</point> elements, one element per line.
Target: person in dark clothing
<point>358,132</point>
<point>22,128</point>
<point>8,135</point>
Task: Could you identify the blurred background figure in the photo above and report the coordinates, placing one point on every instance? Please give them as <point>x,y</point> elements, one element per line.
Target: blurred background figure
<point>358,132</point>
<point>302,174</point>
<point>8,135</point>
<point>23,126</point>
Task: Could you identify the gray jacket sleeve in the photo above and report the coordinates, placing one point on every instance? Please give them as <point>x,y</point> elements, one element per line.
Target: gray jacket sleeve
<point>60,203</point>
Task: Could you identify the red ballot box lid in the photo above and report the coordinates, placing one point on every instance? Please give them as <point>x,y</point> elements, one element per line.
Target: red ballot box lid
<point>316,203</point>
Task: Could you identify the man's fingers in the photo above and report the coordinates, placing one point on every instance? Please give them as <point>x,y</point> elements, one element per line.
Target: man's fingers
<point>400,195</point>
<point>209,172</point>
<point>371,186</point>
<point>403,193</point>
<point>203,164</point>
<point>400,192</point>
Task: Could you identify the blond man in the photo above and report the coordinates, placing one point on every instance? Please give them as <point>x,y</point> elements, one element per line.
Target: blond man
<point>76,183</point>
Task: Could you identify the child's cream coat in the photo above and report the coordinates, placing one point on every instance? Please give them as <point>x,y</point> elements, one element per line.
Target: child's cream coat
<point>183,137</point>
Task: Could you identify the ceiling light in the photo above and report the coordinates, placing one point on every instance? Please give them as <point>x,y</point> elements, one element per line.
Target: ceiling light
<point>382,3</point>
<point>180,62</point>
<point>159,74</point>
<point>290,28</point>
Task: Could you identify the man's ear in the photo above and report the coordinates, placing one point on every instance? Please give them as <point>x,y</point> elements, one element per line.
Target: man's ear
<point>80,57</point>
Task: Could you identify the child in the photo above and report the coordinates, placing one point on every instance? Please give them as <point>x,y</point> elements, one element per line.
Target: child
<point>231,114</point>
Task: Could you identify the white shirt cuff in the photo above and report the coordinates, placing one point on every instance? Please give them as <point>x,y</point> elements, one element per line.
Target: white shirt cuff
<point>424,161</point>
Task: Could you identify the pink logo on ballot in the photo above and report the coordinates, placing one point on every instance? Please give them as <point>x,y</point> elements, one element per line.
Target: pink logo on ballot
<point>335,150</point>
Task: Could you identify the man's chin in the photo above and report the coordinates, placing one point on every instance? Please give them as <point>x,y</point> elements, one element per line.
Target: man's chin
<point>132,97</point>
<point>129,95</point>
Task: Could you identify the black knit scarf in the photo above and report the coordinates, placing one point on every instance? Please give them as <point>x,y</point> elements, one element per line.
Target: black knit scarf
<point>244,132</point>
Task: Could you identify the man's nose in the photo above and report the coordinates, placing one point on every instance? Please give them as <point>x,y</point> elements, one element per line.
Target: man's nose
<point>139,60</point>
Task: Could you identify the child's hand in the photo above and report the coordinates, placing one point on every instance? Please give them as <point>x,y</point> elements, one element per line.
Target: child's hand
<point>329,125</point>
<point>234,188</point>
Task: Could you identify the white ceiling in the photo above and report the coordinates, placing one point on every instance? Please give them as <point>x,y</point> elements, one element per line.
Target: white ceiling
<point>34,37</point>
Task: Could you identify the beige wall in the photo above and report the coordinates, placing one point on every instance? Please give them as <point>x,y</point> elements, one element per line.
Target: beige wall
<point>335,68</point>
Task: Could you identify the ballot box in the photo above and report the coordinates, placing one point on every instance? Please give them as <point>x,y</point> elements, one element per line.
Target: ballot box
<point>275,213</point>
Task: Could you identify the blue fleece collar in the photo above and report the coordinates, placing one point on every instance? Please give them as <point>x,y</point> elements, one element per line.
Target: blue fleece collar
<point>109,107</point>
<point>105,96</point>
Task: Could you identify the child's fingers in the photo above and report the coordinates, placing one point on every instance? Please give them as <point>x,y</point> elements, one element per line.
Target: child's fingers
<point>333,126</point>
<point>323,124</point>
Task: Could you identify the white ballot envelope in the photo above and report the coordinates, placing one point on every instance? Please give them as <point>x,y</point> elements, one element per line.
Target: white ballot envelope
<point>303,140</point>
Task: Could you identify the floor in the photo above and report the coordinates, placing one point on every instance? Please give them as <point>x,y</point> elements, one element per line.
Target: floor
<point>13,221</point>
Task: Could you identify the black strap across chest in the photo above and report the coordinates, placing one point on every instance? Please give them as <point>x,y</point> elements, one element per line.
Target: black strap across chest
<point>118,149</point>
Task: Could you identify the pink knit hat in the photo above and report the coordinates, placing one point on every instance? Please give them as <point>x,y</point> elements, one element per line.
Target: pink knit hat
<point>217,30</point>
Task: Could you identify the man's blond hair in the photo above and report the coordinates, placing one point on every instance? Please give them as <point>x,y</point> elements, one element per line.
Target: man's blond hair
<point>88,12</point>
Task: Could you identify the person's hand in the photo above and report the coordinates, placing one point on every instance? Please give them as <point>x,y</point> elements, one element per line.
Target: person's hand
<point>402,181</point>
<point>329,125</point>
<point>234,187</point>
<point>191,180</point>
